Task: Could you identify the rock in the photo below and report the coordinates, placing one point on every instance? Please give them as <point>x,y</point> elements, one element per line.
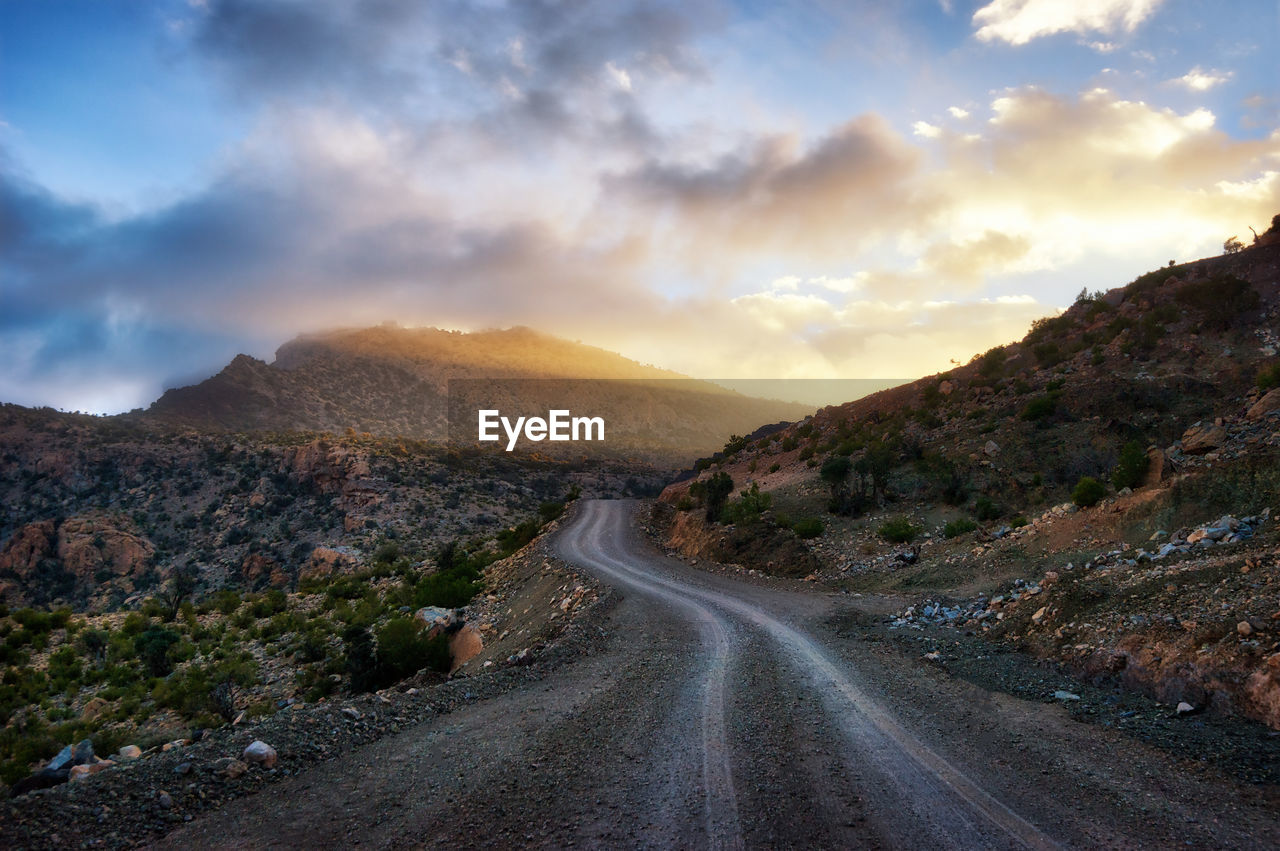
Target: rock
<point>260,753</point>
<point>45,778</point>
<point>93,709</point>
<point>62,760</point>
<point>1065,695</point>
<point>1039,615</point>
<point>83,753</point>
<point>130,752</point>
<point>1268,404</point>
<point>991,449</point>
<point>1201,439</point>
<point>164,801</point>
<point>435,617</point>
<point>351,712</point>
<point>182,768</point>
<point>1157,467</point>
<point>1184,708</point>
<point>946,388</point>
<point>325,561</point>
<point>1244,628</point>
<point>465,645</point>
<point>229,767</point>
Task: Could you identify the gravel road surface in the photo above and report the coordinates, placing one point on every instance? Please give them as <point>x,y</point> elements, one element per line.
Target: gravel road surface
<point>713,713</point>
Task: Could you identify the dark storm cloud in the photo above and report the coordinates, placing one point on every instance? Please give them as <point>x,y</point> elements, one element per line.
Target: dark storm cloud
<point>534,64</point>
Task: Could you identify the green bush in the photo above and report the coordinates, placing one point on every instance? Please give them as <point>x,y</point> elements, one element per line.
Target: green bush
<point>1131,469</point>
<point>404,649</point>
<point>1269,377</point>
<point>1039,408</point>
<point>898,530</point>
<point>807,527</point>
<point>549,511</point>
<point>986,509</point>
<point>748,507</point>
<point>1088,492</point>
<point>958,527</point>
<point>153,648</point>
<point>773,468</point>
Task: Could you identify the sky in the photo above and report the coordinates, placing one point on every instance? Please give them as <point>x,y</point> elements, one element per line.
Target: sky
<point>819,189</point>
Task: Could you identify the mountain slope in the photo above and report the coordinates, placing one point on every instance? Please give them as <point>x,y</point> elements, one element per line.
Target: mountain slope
<point>395,381</point>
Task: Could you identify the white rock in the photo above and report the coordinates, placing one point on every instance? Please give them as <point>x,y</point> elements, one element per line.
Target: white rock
<point>1065,695</point>
<point>1184,708</point>
<point>260,753</point>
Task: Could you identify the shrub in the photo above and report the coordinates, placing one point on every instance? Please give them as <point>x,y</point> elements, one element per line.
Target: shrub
<point>773,468</point>
<point>1018,521</point>
<point>404,649</point>
<point>549,511</point>
<point>991,364</point>
<point>986,509</point>
<point>748,507</point>
<point>807,527</point>
<point>1131,469</point>
<point>1039,408</point>
<point>1088,492</point>
<point>958,527</point>
<point>1269,377</point>
<point>898,530</point>
<point>153,646</point>
<point>716,491</point>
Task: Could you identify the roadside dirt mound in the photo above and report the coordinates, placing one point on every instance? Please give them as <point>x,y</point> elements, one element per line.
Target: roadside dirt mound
<point>762,545</point>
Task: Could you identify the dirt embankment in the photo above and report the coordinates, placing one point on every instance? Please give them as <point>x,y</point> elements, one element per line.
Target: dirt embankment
<point>761,546</point>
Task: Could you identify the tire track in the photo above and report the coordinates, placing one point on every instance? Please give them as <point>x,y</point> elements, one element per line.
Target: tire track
<point>947,807</point>
<point>587,546</point>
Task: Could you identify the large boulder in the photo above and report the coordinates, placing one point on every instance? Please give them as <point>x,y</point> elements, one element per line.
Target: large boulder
<point>465,645</point>
<point>326,561</point>
<point>1268,404</point>
<point>1157,467</point>
<point>1202,438</point>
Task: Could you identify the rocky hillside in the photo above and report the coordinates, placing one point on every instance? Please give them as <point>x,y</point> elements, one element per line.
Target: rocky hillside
<point>391,381</point>
<point>1120,461</point>
<point>99,512</point>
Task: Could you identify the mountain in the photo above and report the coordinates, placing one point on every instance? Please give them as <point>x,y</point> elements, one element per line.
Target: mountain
<point>1102,493</point>
<point>393,381</point>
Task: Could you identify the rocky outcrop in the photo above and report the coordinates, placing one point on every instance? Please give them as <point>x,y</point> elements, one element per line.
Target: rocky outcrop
<point>1202,438</point>
<point>90,543</point>
<point>1268,404</point>
<point>326,561</point>
<point>31,543</point>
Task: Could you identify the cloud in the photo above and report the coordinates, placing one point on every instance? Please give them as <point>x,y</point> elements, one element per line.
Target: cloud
<point>777,195</point>
<point>1018,22</point>
<point>925,130</point>
<point>1200,80</point>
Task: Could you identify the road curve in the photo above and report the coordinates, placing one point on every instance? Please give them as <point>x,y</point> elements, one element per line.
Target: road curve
<point>934,801</point>
<point>713,713</point>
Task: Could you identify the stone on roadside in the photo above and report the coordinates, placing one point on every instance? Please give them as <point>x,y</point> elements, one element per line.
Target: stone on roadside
<point>130,752</point>
<point>1065,695</point>
<point>1244,628</point>
<point>260,753</point>
<point>229,767</point>
<point>1184,708</point>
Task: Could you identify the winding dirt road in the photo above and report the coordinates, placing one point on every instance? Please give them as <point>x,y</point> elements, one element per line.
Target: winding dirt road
<point>715,713</point>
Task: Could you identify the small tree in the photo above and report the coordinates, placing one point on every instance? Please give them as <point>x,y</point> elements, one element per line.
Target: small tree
<point>182,584</point>
<point>716,493</point>
<point>1232,246</point>
<point>1131,469</point>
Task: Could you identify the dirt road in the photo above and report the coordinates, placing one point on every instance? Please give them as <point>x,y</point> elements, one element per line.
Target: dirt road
<point>715,713</point>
